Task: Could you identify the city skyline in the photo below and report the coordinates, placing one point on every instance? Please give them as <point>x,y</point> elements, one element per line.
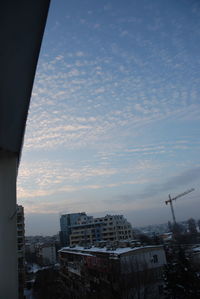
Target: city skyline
<point>113,126</point>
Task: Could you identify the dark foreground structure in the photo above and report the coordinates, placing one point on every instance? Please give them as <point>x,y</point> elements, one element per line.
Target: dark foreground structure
<point>129,272</point>
<point>21,29</point>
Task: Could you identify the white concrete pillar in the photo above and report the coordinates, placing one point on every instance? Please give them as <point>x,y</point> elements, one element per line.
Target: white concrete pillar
<point>8,227</point>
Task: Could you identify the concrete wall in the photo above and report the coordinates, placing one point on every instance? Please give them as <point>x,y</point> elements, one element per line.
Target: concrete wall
<point>8,227</point>
<point>148,258</point>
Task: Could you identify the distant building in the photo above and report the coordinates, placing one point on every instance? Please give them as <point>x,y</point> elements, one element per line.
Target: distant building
<point>167,237</point>
<point>66,221</point>
<point>21,249</point>
<point>108,228</point>
<point>78,228</point>
<point>84,234</point>
<point>128,272</point>
<point>45,254</point>
<point>195,255</point>
<point>30,248</point>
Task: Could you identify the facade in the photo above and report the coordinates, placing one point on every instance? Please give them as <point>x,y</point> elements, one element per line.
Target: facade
<point>109,228</point>
<point>45,254</point>
<point>129,272</point>
<point>84,234</point>
<point>21,30</point>
<point>21,249</point>
<point>66,221</point>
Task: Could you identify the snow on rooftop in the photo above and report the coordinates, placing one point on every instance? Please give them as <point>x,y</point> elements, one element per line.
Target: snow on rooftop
<point>74,252</point>
<point>93,249</point>
<point>196,249</point>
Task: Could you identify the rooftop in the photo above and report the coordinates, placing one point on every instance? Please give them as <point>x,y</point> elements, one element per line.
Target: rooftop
<point>116,251</point>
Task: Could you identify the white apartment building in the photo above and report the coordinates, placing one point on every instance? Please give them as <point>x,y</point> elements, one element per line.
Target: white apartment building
<point>109,228</point>
<point>46,254</point>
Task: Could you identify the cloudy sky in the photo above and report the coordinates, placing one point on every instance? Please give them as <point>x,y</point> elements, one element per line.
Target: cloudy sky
<point>114,120</point>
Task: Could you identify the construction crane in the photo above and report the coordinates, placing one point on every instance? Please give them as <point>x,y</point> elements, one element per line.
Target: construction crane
<point>171,204</point>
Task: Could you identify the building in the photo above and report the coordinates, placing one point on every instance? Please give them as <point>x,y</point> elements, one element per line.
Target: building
<point>128,272</point>
<point>68,220</point>
<point>45,254</point>
<point>22,28</point>
<point>84,234</point>
<point>109,228</point>
<point>167,237</point>
<point>21,249</point>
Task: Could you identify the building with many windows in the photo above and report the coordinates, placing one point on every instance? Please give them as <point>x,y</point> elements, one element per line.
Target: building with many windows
<point>84,230</point>
<point>68,220</point>
<point>104,272</point>
<point>21,249</point>
<point>45,254</point>
<point>87,233</point>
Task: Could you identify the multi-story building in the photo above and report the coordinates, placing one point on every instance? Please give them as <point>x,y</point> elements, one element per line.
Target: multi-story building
<point>21,249</point>
<point>45,254</point>
<point>109,228</point>
<point>128,272</point>
<point>84,234</point>
<point>66,221</point>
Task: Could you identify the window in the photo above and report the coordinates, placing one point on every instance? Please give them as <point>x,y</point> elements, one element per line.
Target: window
<point>155,258</point>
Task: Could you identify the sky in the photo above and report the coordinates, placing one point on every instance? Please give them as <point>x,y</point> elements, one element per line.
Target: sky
<point>114,123</point>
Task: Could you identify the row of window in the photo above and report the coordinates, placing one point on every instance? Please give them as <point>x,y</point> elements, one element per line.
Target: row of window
<point>93,231</point>
<point>108,219</point>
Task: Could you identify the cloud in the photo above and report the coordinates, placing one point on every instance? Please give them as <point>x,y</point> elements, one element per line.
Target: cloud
<point>183,179</point>
<point>38,193</point>
<point>116,114</point>
<point>47,177</point>
<point>76,83</point>
<point>151,194</point>
<point>79,54</point>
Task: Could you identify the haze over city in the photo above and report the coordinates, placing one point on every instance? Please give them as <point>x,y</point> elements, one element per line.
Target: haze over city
<point>113,126</point>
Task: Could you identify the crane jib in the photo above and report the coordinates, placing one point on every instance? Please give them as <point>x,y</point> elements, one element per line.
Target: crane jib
<point>171,199</point>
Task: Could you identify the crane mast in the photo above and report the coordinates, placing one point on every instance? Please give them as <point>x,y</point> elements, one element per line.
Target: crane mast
<point>171,204</point>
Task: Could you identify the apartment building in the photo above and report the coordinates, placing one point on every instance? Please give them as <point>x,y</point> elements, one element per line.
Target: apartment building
<point>109,228</point>
<point>21,249</point>
<point>87,233</point>
<point>45,254</point>
<point>66,221</point>
<point>105,272</point>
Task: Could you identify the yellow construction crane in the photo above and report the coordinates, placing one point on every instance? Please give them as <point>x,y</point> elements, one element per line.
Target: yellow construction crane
<point>171,205</point>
